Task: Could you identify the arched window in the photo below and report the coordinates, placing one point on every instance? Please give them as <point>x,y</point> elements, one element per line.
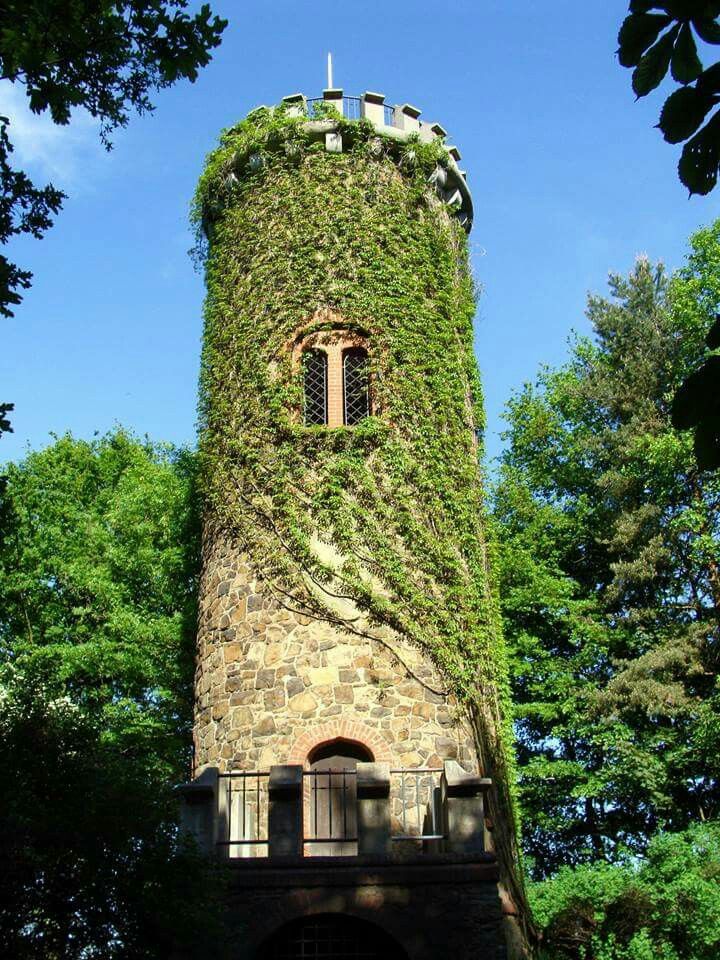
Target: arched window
<point>356,394</point>
<point>315,380</point>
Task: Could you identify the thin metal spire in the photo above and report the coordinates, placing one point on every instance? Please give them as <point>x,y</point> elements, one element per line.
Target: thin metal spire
<point>329,72</point>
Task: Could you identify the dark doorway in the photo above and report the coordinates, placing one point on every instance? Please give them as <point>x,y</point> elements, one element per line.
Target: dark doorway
<point>332,799</point>
<point>331,936</point>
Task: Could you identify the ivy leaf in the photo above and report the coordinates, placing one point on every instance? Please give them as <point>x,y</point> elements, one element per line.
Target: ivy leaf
<point>686,65</point>
<point>654,65</point>
<point>683,113</point>
<point>698,167</point>
<point>638,32</point>
<point>707,29</point>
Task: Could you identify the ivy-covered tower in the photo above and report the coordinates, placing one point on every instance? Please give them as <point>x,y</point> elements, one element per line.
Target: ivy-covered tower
<point>351,677</point>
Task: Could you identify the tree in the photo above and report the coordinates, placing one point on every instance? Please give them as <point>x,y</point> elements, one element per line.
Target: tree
<point>98,566</point>
<point>654,43</point>
<point>610,579</point>
<point>665,907</point>
<point>99,553</point>
<point>93,865</point>
<point>101,57</point>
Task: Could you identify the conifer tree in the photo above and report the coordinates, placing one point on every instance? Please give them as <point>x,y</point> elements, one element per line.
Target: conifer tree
<point>610,576</point>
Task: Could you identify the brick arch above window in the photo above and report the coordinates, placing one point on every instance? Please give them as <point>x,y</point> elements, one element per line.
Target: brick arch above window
<point>345,729</point>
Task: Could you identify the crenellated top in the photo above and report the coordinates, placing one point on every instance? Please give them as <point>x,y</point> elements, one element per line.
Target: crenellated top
<point>331,120</point>
<point>399,122</point>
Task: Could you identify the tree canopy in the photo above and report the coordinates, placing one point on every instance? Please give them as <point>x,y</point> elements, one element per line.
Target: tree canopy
<point>610,578</point>
<point>107,59</point>
<point>663,907</point>
<point>99,549</point>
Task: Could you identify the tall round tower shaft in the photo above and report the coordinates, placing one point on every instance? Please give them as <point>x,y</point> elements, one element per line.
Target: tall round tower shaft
<point>346,607</point>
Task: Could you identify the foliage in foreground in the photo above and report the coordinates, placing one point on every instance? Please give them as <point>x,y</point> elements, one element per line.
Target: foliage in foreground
<point>611,578</point>
<point>660,36</point>
<point>665,907</point>
<point>98,565</point>
<point>92,862</point>
<point>104,58</point>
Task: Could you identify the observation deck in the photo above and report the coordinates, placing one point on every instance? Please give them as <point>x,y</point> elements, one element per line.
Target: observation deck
<point>399,122</point>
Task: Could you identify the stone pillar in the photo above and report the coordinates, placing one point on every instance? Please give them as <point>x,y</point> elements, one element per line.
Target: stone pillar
<point>464,809</point>
<point>296,104</point>
<point>373,809</point>
<point>198,810</point>
<point>285,815</point>
<point>335,98</point>
<point>406,118</point>
<point>373,107</point>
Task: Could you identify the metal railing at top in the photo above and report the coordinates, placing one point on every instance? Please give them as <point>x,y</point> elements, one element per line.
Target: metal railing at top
<point>352,109</point>
<point>246,804</point>
<point>417,812</point>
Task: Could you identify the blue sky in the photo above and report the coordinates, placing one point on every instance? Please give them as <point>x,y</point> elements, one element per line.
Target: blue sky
<point>569,177</point>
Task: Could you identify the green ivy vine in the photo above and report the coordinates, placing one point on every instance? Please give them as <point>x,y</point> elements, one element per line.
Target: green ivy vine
<point>292,229</point>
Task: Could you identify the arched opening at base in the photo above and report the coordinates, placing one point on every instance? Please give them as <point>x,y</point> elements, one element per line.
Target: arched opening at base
<point>331,936</point>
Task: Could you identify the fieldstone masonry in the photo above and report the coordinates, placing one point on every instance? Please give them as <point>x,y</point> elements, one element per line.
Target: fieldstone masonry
<point>271,684</point>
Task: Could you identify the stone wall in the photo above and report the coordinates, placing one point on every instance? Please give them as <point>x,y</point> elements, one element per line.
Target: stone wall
<point>271,683</point>
<point>432,910</point>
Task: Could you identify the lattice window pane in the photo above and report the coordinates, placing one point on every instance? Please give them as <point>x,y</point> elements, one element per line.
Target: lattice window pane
<point>332,937</point>
<point>315,382</point>
<point>355,382</point>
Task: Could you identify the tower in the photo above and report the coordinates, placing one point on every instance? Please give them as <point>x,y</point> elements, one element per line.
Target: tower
<point>351,758</point>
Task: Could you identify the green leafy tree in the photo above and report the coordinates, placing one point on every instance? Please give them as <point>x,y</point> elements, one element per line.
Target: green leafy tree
<point>92,862</point>
<point>106,58</point>
<point>610,581</point>
<point>98,561</point>
<point>664,907</point>
<point>99,548</point>
<point>660,36</point>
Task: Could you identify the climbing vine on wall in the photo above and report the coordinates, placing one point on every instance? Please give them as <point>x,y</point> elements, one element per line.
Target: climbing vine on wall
<point>294,231</point>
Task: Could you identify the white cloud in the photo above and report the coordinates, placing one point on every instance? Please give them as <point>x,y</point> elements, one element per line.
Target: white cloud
<point>62,154</point>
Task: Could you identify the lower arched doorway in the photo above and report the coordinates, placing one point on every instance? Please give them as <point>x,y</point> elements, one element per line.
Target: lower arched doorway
<point>331,936</point>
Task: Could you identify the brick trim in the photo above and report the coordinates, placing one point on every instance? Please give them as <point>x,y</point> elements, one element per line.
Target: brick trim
<point>345,729</point>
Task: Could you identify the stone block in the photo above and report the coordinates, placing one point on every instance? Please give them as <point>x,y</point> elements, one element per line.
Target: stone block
<point>265,679</point>
<point>303,704</point>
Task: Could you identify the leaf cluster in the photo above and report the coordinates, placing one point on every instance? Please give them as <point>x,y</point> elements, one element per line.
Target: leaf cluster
<point>93,865</point>
<point>665,906</point>
<point>99,548</point>
<point>654,43</point>
<point>99,556</point>
<point>104,58</point>
<point>610,542</point>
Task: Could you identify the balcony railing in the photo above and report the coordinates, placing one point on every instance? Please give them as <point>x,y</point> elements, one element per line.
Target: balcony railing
<point>371,810</point>
<point>352,109</point>
<point>246,803</point>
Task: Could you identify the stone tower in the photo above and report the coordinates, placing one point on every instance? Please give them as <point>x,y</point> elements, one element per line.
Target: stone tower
<point>350,748</point>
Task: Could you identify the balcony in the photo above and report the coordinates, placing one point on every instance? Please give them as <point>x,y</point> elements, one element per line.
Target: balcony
<point>369,811</point>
